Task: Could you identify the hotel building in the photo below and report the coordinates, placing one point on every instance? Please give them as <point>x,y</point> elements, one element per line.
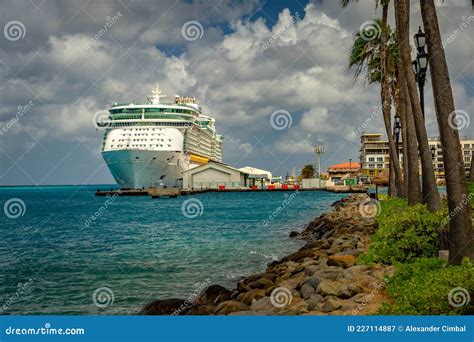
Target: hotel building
<point>374,154</point>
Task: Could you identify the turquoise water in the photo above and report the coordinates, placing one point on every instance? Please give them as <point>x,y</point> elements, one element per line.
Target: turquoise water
<point>69,243</point>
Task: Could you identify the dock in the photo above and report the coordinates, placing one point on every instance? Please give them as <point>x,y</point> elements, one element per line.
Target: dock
<point>175,192</point>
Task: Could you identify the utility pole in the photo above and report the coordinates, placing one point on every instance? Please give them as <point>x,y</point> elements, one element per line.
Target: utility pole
<point>319,151</point>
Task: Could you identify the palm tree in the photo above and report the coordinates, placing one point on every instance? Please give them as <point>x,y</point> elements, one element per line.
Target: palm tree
<point>461,233</point>
<point>410,143</point>
<point>307,171</point>
<point>374,55</point>
<point>430,189</point>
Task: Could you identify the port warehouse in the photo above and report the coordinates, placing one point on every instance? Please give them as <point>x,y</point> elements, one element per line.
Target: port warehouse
<point>217,175</point>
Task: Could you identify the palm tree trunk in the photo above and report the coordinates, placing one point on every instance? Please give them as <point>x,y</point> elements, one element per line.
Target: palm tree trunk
<point>413,165</point>
<point>410,144</point>
<point>395,171</point>
<point>430,188</point>
<point>461,234</point>
<point>401,112</point>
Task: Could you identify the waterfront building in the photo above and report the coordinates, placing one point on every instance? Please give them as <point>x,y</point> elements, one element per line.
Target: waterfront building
<point>339,173</point>
<point>257,176</point>
<point>214,175</point>
<point>374,154</point>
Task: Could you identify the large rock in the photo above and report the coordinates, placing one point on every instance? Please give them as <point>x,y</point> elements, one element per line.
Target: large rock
<point>315,302</point>
<point>331,304</point>
<point>348,291</point>
<point>262,304</point>
<point>312,281</point>
<point>213,295</point>
<point>328,288</point>
<point>261,283</point>
<point>165,307</point>
<point>306,291</point>
<point>229,306</point>
<point>344,261</point>
<point>248,297</point>
<point>298,255</point>
<point>310,270</point>
<point>242,287</point>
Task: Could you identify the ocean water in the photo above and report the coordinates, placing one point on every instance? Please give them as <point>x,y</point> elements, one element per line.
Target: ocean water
<point>65,251</point>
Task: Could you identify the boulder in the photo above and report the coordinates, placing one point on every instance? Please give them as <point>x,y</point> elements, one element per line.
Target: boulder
<point>310,270</point>
<point>348,291</point>
<point>248,297</point>
<point>241,287</point>
<point>327,288</point>
<point>294,234</point>
<point>165,307</point>
<point>261,283</point>
<point>298,255</point>
<point>306,291</point>
<point>312,281</point>
<point>213,295</point>
<point>229,306</point>
<point>354,251</point>
<point>331,304</point>
<point>344,261</point>
<point>262,304</point>
<point>314,301</point>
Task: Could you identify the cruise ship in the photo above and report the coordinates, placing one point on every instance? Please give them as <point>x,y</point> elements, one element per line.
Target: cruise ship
<point>152,144</point>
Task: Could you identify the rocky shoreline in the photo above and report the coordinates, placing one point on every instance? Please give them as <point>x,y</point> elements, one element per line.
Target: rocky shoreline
<point>319,279</point>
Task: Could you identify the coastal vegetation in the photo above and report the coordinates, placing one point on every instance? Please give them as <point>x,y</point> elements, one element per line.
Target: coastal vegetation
<point>404,233</point>
<point>408,238</point>
<point>423,287</point>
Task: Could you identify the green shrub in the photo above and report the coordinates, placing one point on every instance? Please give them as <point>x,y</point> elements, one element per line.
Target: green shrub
<point>404,232</point>
<point>423,287</point>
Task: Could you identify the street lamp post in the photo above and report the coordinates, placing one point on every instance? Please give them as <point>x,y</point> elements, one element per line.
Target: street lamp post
<point>319,150</point>
<point>396,132</point>
<point>433,150</point>
<point>420,65</point>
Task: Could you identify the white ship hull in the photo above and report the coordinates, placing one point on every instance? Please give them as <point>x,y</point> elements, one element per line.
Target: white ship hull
<point>137,169</point>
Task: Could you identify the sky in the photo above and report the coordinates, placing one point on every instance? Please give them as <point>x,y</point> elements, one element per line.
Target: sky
<point>274,74</point>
